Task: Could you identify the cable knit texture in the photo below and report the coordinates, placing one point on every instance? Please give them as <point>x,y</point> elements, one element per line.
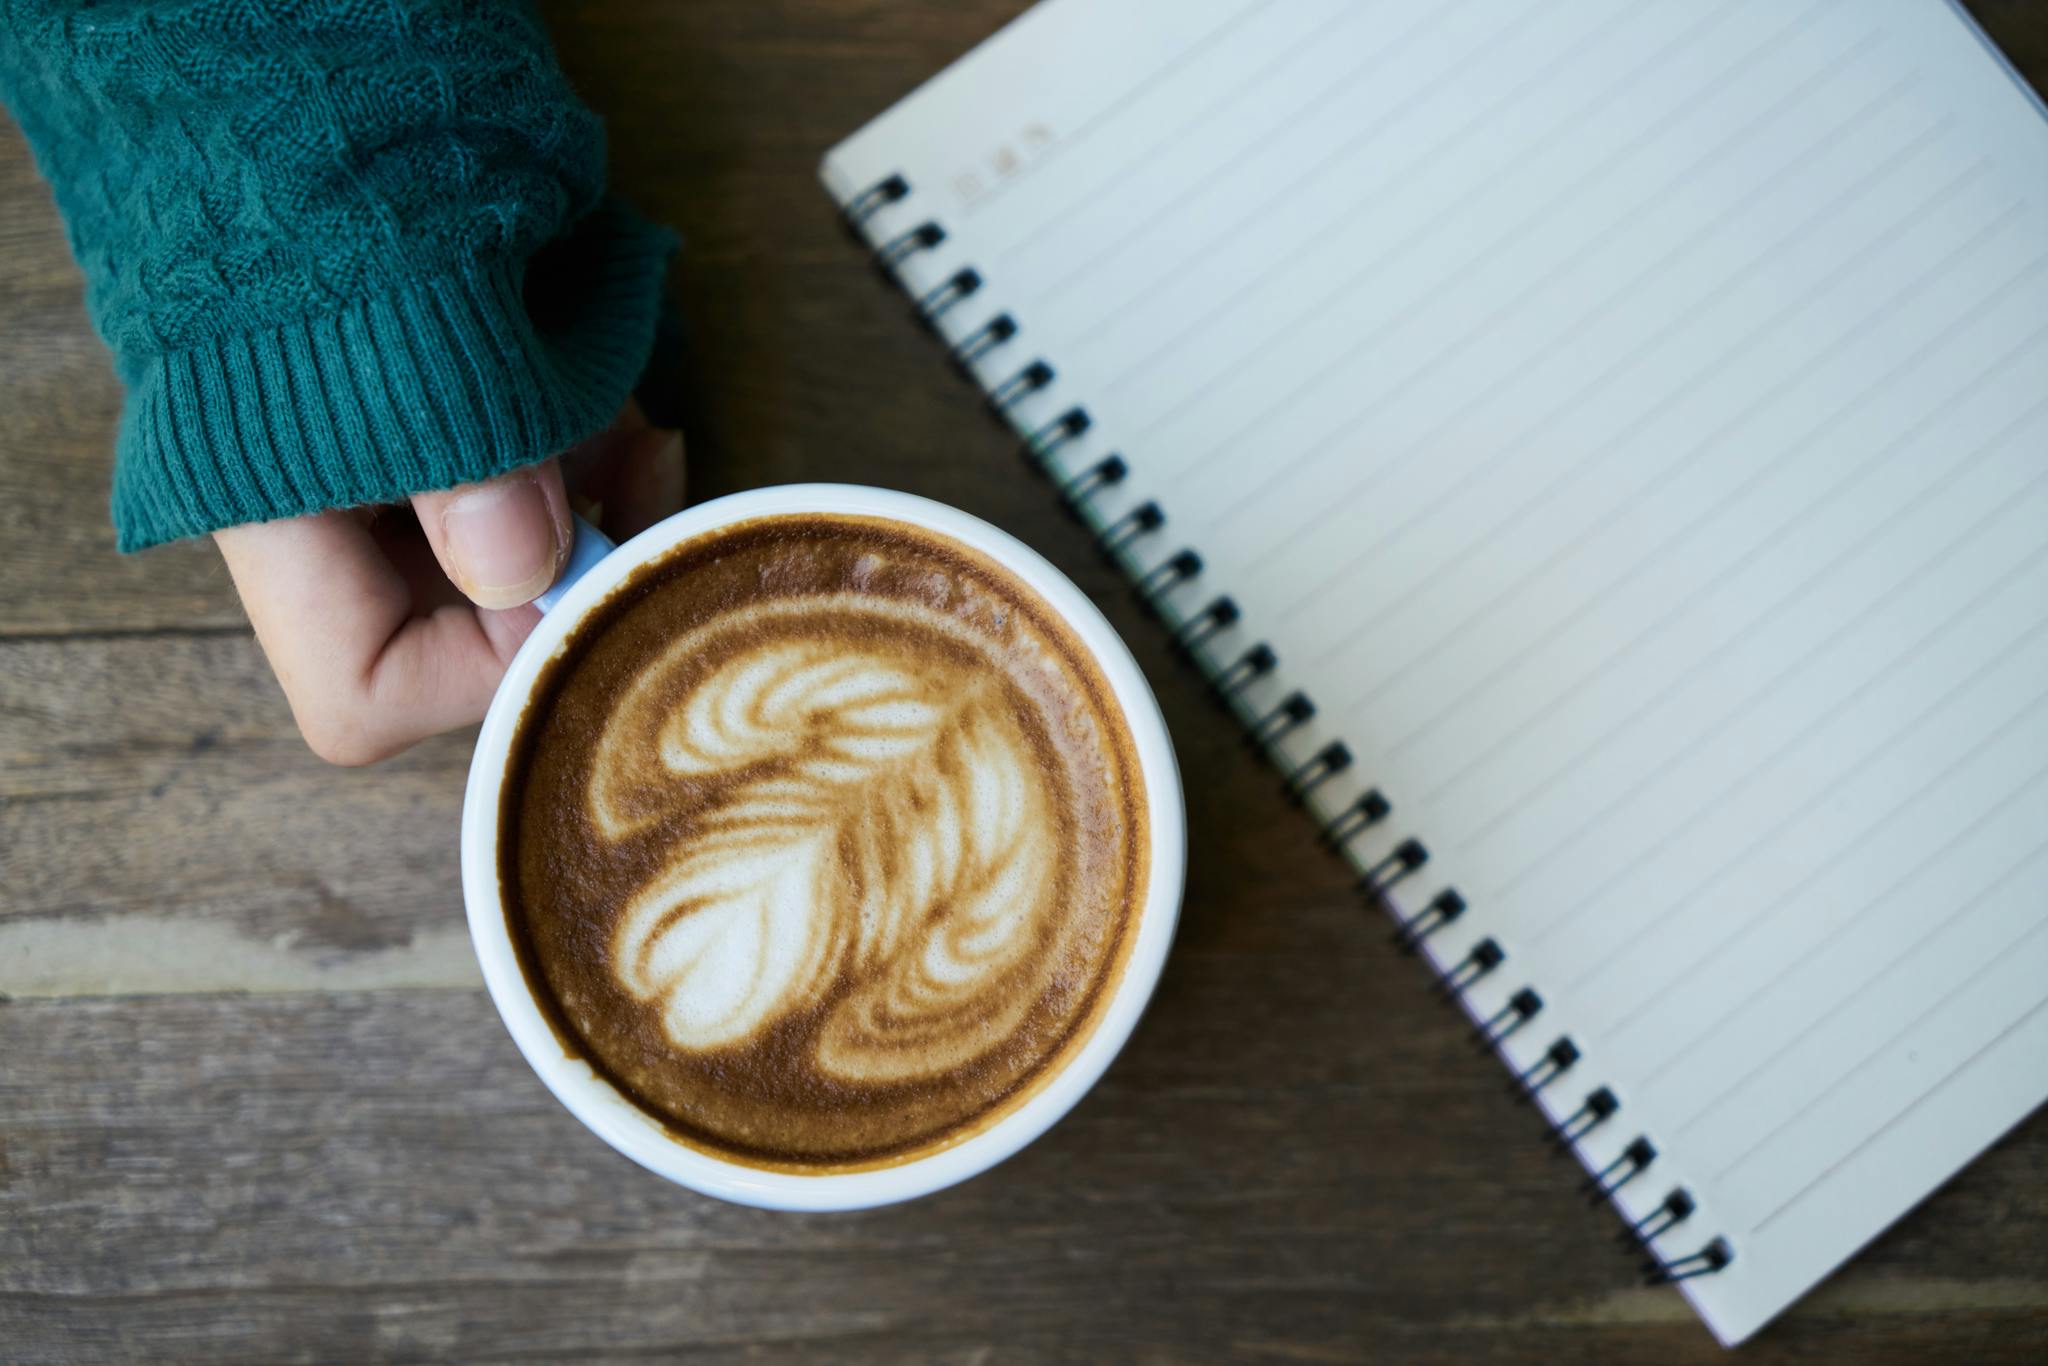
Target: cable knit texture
<point>343,251</point>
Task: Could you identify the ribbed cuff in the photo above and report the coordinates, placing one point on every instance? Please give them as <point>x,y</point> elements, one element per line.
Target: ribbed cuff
<point>442,381</point>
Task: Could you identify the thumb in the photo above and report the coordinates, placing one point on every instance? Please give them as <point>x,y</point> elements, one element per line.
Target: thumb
<point>501,541</point>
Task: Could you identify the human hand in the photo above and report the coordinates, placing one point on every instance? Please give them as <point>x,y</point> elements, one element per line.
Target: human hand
<point>387,625</point>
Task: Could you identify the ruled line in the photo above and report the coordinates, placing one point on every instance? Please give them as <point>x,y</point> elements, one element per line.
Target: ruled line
<point>1676,614</point>
<point>1906,954</point>
<point>1390,187</point>
<point>1757,772</point>
<point>1684,388</point>
<point>1285,473</point>
<point>1764,473</point>
<point>1917,1022</point>
<point>1182,132</point>
<point>1538,355</point>
<point>1940,1084</point>
<point>1650,996</point>
<point>1578,469</point>
<point>1109,112</point>
<point>1741,857</point>
<point>1218,172</point>
<point>1653,774</point>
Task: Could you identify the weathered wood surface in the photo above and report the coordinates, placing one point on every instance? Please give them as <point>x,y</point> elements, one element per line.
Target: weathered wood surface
<point>253,1105</point>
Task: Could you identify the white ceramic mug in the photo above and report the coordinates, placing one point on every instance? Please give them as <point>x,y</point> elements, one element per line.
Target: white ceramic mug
<point>595,568</point>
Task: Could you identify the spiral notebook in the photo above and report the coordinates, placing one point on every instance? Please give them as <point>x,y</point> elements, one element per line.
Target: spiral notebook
<point>1600,449</point>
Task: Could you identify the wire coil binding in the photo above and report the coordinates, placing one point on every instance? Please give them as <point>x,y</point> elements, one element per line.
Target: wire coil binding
<point>1445,908</point>
<point>1294,711</point>
<point>1497,1028</point>
<point>1253,664</point>
<point>900,248</point>
<point>1715,1256</point>
<point>1141,520</point>
<point>1326,764</point>
<point>1041,444</point>
<point>1555,1062</point>
<point>1369,810</point>
<point>939,300</point>
<point>1198,634</point>
<point>1598,1107</point>
<point>1104,473</point>
<point>1171,572</point>
<point>871,201</point>
<point>1635,1159</point>
<point>1020,386</point>
<point>1220,615</point>
<point>1676,1208</point>
<point>984,339</point>
<point>1407,858</point>
<point>1483,958</point>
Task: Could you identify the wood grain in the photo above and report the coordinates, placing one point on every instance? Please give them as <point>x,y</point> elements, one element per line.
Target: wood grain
<point>166,829</point>
<point>358,1176</point>
<point>253,1107</point>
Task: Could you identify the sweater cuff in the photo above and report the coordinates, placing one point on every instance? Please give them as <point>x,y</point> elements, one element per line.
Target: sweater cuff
<point>441,381</point>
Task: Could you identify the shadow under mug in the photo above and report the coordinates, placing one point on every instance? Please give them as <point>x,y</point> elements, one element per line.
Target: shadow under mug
<point>594,568</point>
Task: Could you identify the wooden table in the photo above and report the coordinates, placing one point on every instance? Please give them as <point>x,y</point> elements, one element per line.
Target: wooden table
<point>254,1103</point>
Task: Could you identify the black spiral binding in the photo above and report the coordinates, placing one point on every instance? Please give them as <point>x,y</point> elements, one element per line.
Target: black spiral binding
<point>1020,386</point>
<point>1041,444</point>
<point>1245,670</point>
<point>939,300</point>
<point>1484,957</point>
<point>1294,712</point>
<point>1555,1062</point>
<point>1447,907</point>
<point>1200,635</point>
<point>1715,1256</point>
<point>871,201</point>
<point>1675,1210</point>
<point>1354,820</point>
<point>1598,1107</point>
<point>984,339</point>
<point>1104,473</point>
<point>1324,765</point>
<point>1198,630</point>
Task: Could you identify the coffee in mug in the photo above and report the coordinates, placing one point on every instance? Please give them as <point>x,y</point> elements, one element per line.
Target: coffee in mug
<point>823,839</point>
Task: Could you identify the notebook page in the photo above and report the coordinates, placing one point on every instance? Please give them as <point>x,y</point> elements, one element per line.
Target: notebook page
<point>1628,423</point>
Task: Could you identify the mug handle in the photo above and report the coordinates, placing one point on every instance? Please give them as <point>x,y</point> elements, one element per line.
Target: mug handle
<point>589,546</point>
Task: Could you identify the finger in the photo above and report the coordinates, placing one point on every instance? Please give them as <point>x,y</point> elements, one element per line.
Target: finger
<point>401,541</point>
<point>364,676</point>
<point>501,541</point>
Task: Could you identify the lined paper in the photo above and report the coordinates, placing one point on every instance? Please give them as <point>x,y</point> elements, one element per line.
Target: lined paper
<point>1627,420</point>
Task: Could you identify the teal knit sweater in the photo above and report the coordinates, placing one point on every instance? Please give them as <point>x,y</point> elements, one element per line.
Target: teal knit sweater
<point>343,250</point>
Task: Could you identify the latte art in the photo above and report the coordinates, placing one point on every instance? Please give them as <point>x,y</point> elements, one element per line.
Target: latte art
<point>884,819</point>
<point>823,840</point>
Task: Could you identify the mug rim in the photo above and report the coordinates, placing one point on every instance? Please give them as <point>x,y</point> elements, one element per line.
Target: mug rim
<point>637,1135</point>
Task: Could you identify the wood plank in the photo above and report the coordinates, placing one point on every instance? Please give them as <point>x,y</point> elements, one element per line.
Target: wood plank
<point>378,1176</point>
<point>164,829</point>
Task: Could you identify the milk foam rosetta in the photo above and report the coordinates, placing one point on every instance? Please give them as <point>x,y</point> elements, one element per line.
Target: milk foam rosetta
<point>825,842</point>
<point>887,821</point>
